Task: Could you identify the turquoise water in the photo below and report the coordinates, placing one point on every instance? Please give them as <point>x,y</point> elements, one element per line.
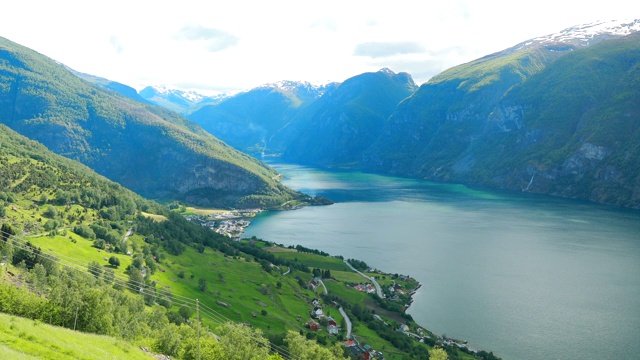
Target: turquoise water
<point>524,276</point>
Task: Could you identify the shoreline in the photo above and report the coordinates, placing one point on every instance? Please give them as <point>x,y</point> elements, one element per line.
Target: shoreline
<point>441,340</point>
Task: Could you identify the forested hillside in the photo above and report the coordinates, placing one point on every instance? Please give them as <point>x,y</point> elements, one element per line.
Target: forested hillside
<point>150,150</point>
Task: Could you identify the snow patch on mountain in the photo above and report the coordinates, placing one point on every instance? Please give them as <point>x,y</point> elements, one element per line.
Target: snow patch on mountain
<point>587,34</point>
<point>297,86</point>
<point>186,94</point>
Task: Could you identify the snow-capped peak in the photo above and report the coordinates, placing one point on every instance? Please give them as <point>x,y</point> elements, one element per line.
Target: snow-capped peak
<point>186,94</point>
<point>297,86</point>
<point>587,34</point>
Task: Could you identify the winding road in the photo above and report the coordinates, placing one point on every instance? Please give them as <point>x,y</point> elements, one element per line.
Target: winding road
<point>346,320</point>
<point>375,283</point>
<point>325,288</point>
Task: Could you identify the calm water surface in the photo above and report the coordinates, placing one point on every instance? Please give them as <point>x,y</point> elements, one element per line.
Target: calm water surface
<point>527,277</point>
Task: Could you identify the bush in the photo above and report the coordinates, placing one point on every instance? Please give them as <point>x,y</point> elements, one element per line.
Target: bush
<point>114,261</point>
<point>51,212</point>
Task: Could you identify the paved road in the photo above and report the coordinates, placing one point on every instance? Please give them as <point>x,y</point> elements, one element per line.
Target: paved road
<point>129,233</point>
<point>325,288</point>
<point>375,283</point>
<point>347,320</point>
<point>288,271</point>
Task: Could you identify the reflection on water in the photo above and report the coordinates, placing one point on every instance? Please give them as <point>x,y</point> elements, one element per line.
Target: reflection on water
<point>525,276</point>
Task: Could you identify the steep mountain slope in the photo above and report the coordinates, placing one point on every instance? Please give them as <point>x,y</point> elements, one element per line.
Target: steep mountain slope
<point>555,115</point>
<point>148,149</point>
<point>248,121</point>
<point>336,128</point>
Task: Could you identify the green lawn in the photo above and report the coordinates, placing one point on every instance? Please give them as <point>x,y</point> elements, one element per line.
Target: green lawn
<point>22,338</point>
<point>80,252</point>
<point>369,337</point>
<point>239,283</point>
<point>315,261</point>
<point>349,277</point>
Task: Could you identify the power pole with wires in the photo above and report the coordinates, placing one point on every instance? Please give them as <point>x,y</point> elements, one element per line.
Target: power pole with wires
<point>198,317</point>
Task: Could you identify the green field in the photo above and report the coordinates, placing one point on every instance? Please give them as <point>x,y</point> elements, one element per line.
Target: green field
<point>237,282</point>
<point>79,253</point>
<point>315,261</point>
<point>22,338</point>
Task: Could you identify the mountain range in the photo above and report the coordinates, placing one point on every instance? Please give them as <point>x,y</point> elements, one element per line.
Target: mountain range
<point>557,114</point>
<point>181,101</point>
<point>248,121</point>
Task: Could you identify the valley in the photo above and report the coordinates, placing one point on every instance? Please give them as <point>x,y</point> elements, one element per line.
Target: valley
<point>496,203</point>
<point>78,253</point>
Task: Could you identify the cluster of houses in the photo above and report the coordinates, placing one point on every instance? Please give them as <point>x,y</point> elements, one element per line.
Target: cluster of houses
<point>363,352</point>
<point>230,223</point>
<point>231,228</point>
<point>396,290</point>
<point>316,315</point>
<point>364,287</point>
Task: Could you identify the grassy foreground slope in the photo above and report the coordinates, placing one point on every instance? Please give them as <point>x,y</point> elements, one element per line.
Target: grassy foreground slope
<point>22,338</point>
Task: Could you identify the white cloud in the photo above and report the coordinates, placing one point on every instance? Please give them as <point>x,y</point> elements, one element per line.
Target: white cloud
<point>213,39</point>
<point>242,44</point>
<point>385,49</point>
<point>117,46</point>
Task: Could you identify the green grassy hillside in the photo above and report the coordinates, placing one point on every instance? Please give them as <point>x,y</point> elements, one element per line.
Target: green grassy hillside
<point>77,252</point>
<point>22,338</point>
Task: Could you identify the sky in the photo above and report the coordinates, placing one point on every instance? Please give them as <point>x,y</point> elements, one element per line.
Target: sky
<point>234,45</point>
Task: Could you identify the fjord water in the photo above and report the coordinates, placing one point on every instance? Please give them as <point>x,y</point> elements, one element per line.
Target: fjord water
<point>524,276</point>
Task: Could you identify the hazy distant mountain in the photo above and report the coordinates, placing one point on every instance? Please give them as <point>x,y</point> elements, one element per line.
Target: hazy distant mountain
<point>122,89</point>
<point>248,120</point>
<point>337,127</point>
<point>150,150</point>
<point>180,101</point>
<point>559,114</point>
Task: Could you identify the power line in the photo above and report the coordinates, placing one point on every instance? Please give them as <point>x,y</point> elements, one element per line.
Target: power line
<point>135,286</point>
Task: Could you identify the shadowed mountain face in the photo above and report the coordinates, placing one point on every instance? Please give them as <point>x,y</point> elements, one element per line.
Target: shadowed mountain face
<point>250,120</point>
<point>339,126</point>
<point>150,150</point>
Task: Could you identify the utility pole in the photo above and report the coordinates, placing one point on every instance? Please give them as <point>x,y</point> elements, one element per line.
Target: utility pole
<point>76,320</point>
<point>198,317</point>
